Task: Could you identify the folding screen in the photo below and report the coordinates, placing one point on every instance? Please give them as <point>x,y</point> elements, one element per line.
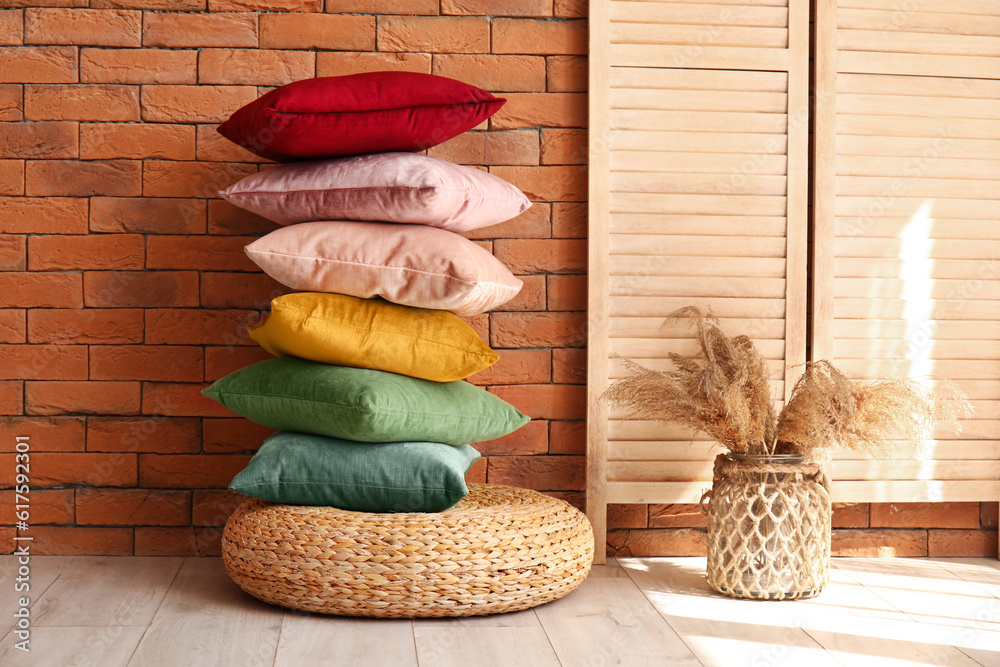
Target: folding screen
<point>698,194</point>
<point>907,223</point>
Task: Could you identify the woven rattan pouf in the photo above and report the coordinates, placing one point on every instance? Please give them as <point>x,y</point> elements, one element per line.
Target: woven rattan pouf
<point>499,549</point>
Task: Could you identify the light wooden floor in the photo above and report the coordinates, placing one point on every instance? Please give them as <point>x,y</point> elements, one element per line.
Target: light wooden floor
<point>111,612</point>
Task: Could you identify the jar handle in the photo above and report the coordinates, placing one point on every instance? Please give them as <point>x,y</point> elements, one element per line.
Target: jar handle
<point>704,501</point>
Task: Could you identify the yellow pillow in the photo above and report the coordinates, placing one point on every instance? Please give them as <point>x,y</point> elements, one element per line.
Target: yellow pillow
<point>372,333</point>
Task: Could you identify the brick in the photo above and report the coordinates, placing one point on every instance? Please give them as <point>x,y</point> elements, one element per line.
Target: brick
<point>340,64</point>
<point>536,37</point>
<point>850,515</point>
<point>47,434</point>
<point>569,9</point>
<point>38,64</point>
<point>97,252</point>
<point>167,363</point>
<point>97,27</point>
<point>225,218</point>
<point>517,367</point>
<point>40,140</point>
<point>95,102</point>
<point>160,5</point>
<point>535,223</point>
<point>221,253</point>
<point>237,290</point>
<point>405,7</point>
<point>147,215</point>
<point>85,326</point>
<point>541,109</point>
<point>41,290</point>
<point>545,401</point>
<point>213,147</point>
<point>179,400</point>
<point>11,27</point>
<point>138,66</point>
<point>988,515</point>
<point>43,362</point>
<point>551,473</point>
<point>13,253</point>
<point>221,361</point>
<point>99,141</point>
<point>564,146</point>
<point>183,326</point>
<point>55,398</point>
<point>529,440</point>
<point>632,515</point>
<point>531,296</point>
<point>177,541</point>
<point>193,104</point>
<point>81,541</point>
<point>494,73</point>
<point>341,32</point>
<point>11,102</point>
<point>434,34</point>
<point>212,508</point>
<point>265,5</point>
<point>144,434</point>
<point>199,30</point>
<point>569,220</point>
<point>478,473</point>
<point>187,471</point>
<point>257,67</point>
<point>656,542</point>
<point>226,436</point>
<point>11,397</point>
<point>133,507</point>
<point>67,468</point>
<point>191,179</point>
<point>886,543</point>
<point>569,366</point>
<point>514,330</point>
<point>979,543</point>
<point>47,506</point>
<point>518,147</point>
<point>567,292</point>
<point>480,324</point>
<point>12,325</point>
<point>676,516</point>
<point>498,7</point>
<point>116,178</point>
<point>11,177</point>
<point>567,74</point>
<point>529,256</point>
<point>925,515</point>
<point>560,183</point>
<point>140,289</point>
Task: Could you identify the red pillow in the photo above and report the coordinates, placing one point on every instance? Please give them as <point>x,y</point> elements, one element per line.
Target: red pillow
<point>372,112</point>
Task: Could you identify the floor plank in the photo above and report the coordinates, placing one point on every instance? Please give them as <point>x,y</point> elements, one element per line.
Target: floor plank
<point>720,630</point>
<point>483,647</point>
<point>208,621</point>
<point>73,646</point>
<point>42,572</point>
<point>516,619</point>
<point>307,639</point>
<point>82,596</point>
<point>608,621</point>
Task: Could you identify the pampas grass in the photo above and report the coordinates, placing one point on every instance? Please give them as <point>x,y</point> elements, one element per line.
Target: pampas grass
<point>725,394</point>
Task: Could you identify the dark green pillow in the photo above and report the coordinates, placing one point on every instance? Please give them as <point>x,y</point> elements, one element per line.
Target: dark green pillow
<point>291,394</point>
<point>307,469</point>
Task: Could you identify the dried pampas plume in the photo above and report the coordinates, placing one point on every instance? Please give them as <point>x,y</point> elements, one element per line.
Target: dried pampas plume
<point>725,394</point>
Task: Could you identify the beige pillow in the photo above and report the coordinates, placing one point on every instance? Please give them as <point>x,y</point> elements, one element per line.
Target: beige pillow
<point>413,265</point>
<point>386,187</point>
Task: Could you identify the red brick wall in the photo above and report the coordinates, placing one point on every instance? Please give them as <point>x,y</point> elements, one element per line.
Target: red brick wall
<point>124,288</point>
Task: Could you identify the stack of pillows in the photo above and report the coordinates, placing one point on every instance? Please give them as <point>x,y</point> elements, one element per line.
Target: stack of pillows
<point>367,388</point>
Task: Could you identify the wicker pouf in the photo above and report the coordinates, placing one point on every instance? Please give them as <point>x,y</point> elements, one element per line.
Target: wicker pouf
<point>499,549</point>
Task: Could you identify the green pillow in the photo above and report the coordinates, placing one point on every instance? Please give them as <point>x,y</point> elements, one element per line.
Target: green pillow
<point>291,394</point>
<point>306,469</point>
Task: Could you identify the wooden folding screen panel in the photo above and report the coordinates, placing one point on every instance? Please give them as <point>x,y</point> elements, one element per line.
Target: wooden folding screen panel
<point>907,223</point>
<point>698,194</point>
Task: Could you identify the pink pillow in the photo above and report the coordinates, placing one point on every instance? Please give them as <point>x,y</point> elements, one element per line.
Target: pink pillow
<point>413,265</point>
<point>385,187</point>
